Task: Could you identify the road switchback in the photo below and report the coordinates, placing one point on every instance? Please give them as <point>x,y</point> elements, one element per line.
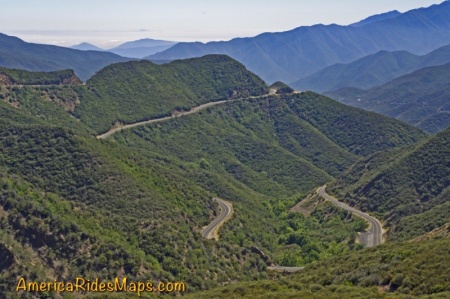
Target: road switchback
<point>374,233</point>
<point>226,210</point>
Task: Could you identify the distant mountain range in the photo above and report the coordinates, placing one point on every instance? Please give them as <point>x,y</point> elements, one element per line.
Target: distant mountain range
<point>421,98</point>
<point>283,56</point>
<point>15,53</point>
<point>86,47</point>
<point>134,49</point>
<point>292,55</point>
<point>372,70</point>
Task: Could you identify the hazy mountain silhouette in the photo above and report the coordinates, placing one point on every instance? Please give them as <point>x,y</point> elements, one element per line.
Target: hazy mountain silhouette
<point>86,47</point>
<point>15,53</point>
<point>292,55</point>
<point>372,70</point>
<point>421,98</point>
<point>141,48</point>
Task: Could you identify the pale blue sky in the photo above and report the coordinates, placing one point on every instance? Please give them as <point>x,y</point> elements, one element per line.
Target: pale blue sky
<point>107,23</point>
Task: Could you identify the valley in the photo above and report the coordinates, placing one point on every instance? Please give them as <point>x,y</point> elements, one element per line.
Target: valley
<point>239,149</point>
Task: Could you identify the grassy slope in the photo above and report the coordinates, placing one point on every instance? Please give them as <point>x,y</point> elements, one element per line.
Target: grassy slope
<point>409,188</point>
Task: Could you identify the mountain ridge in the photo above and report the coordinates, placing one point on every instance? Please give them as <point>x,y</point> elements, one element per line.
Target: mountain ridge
<point>16,53</point>
<point>288,56</point>
<point>372,70</point>
<point>155,90</point>
<point>420,98</point>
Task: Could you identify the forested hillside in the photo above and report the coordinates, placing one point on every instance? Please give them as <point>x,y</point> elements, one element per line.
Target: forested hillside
<point>72,205</point>
<point>409,188</point>
<point>396,270</point>
<point>134,204</point>
<point>134,91</point>
<point>22,77</point>
<point>276,145</point>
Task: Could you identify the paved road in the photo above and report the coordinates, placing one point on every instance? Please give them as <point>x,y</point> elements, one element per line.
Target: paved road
<point>178,114</point>
<point>375,231</point>
<point>156,120</point>
<point>226,209</point>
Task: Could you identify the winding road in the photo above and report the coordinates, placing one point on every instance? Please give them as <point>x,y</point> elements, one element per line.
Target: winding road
<point>226,210</point>
<point>374,235</point>
<point>174,115</point>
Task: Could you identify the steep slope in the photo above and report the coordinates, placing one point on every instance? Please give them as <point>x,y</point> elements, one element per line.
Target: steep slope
<point>15,53</point>
<point>371,70</point>
<point>409,188</point>
<point>279,145</point>
<point>134,91</point>
<point>72,205</point>
<point>396,270</point>
<point>421,98</point>
<point>134,206</point>
<point>289,56</point>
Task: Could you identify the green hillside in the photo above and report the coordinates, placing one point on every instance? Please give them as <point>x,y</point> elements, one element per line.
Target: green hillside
<point>281,88</point>
<point>72,205</point>
<point>22,77</point>
<point>395,270</point>
<point>420,98</point>
<point>57,181</point>
<point>276,145</point>
<point>409,188</point>
<point>135,91</point>
<point>52,104</point>
<point>134,204</point>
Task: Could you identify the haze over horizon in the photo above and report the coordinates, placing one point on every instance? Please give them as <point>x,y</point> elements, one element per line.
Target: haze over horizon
<point>109,23</point>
